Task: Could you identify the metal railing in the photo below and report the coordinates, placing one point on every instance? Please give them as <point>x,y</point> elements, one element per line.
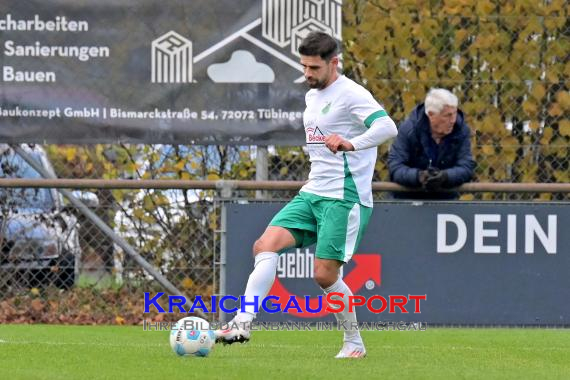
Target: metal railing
<point>229,185</point>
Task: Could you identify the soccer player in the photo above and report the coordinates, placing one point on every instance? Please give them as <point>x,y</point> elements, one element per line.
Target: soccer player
<point>343,127</point>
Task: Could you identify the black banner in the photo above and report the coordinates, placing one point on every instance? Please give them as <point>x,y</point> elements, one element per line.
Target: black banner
<point>476,263</point>
<point>146,71</point>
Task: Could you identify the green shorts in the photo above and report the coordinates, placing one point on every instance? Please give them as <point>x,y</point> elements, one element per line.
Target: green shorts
<point>335,225</point>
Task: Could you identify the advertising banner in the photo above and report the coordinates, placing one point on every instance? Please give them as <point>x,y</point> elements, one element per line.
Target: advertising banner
<point>476,263</point>
<point>148,71</point>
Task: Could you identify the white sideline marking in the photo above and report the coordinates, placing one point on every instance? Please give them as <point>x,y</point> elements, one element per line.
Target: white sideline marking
<point>101,344</point>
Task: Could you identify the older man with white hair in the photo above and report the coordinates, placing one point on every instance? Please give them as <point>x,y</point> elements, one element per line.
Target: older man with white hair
<point>433,149</point>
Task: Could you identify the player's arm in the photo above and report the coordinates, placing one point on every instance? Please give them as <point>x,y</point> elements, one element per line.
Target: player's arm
<point>381,130</point>
<point>366,111</point>
<point>338,143</point>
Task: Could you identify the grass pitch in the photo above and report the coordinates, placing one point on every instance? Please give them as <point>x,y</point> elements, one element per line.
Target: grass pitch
<point>115,352</point>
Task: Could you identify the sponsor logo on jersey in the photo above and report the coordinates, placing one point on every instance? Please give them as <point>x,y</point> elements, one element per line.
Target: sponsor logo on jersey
<point>314,135</point>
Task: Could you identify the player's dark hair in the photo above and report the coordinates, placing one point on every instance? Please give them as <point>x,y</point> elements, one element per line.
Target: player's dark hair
<point>319,43</point>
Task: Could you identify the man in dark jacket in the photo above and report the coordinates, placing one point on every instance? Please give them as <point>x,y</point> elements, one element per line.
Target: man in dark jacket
<point>433,149</point>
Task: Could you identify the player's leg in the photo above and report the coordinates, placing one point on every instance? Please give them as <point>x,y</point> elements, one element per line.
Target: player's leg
<point>340,233</point>
<point>327,276</point>
<point>289,228</point>
<point>260,281</point>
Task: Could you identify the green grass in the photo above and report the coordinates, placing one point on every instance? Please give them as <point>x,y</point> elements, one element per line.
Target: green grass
<point>114,352</point>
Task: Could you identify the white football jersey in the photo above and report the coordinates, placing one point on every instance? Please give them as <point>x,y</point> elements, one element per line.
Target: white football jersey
<point>347,109</point>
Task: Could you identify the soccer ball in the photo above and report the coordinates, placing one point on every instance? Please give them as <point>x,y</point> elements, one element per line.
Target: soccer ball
<point>191,336</point>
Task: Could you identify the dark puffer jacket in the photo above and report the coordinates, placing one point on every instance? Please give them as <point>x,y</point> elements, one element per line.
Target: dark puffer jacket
<point>410,153</point>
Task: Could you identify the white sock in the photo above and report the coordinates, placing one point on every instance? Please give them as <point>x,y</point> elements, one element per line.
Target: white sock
<point>351,335</point>
<point>259,283</point>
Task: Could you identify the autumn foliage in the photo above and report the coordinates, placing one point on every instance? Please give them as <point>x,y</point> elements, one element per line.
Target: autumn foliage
<point>506,60</point>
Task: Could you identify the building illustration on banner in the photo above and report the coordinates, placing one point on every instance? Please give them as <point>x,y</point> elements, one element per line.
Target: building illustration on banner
<point>287,22</point>
<point>283,23</point>
<point>171,59</point>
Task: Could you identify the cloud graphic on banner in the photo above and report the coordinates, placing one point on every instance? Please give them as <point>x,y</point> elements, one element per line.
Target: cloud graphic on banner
<point>241,68</point>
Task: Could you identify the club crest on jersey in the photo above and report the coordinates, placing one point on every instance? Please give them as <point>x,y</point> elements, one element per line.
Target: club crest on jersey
<point>326,108</point>
<point>314,135</point>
